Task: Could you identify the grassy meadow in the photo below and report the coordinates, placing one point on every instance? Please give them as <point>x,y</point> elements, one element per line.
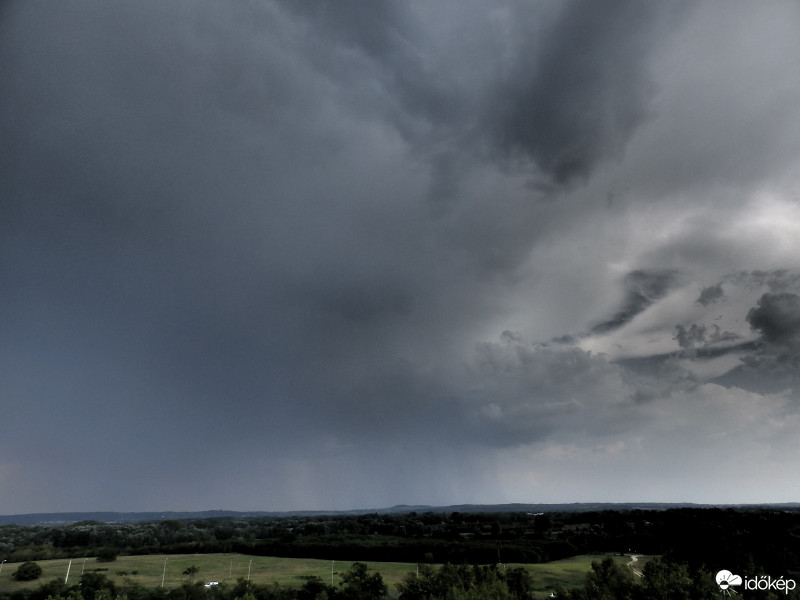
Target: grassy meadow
<point>148,570</point>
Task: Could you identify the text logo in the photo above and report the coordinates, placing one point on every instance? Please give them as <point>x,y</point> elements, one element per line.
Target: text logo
<point>726,580</point>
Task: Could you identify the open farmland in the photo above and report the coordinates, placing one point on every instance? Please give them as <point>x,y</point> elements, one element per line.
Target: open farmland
<point>568,572</point>
<point>227,568</point>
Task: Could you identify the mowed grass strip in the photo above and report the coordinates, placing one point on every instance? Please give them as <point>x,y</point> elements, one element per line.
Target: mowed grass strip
<point>148,570</point>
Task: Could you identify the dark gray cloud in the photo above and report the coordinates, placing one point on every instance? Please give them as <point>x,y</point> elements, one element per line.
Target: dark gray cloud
<point>777,280</point>
<point>259,255</point>
<point>710,294</point>
<point>696,335</point>
<point>776,318</point>
<point>642,289</point>
<point>582,89</point>
<point>527,392</point>
<point>691,336</point>
<point>573,91</point>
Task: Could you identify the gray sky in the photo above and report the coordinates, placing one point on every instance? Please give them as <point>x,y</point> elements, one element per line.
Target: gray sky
<point>325,255</point>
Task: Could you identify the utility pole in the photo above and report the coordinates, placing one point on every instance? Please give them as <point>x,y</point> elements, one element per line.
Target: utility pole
<point>69,566</point>
<point>248,569</point>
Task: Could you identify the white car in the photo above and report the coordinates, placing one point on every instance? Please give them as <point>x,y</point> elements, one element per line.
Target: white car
<point>212,584</point>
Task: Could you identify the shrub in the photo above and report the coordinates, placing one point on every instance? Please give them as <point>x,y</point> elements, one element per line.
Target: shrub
<point>28,571</point>
<point>107,554</point>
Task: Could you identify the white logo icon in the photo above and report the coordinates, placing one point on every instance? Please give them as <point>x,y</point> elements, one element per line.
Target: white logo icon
<point>725,579</point>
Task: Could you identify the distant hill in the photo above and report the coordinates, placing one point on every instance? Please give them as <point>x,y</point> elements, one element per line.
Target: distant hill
<point>66,518</point>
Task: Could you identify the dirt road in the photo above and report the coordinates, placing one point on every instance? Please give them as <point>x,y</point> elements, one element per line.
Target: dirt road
<point>634,560</point>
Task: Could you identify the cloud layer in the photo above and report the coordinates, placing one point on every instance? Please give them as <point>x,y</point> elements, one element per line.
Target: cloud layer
<point>272,255</point>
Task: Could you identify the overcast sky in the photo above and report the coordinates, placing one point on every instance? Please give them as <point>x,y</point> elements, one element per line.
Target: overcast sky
<point>277,255</point>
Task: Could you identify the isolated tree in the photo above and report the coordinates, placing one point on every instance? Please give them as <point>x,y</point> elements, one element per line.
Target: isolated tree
<point>667,581</point>
<point>28,571</point>
<point>191,572</point>
<point>417,586</point>
<point>519,582</point>
<point>358,585</point>
<point>107,554</point>
<point>55,588</point>
<point>92,584</point>
<point>314,589</point>
<point>609,580</point>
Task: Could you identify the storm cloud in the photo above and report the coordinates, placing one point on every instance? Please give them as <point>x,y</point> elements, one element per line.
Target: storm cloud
<point>776,317</point>
<point>582,88</point>
<point>643,288</point>
<point>270,255</point>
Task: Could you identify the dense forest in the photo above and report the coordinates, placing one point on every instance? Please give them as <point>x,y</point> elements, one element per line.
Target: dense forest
<point>690,541</point>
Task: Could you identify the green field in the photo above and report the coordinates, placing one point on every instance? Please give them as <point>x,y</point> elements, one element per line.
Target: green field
<point>569,572</point>
<point>227,568</point>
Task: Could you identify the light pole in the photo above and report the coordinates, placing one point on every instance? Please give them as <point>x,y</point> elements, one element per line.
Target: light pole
<point>248,569</point>
<point>1,565</point>
<point>164,573</point>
